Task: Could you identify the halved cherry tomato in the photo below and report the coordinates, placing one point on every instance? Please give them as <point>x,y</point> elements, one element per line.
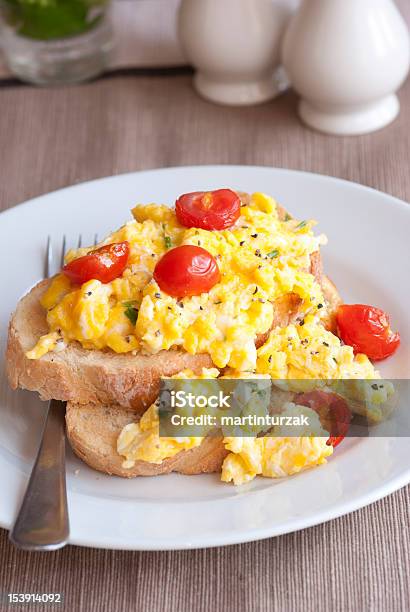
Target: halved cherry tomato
<point>333,412</point>
<point>103,264</point>
<point>209,210</point>
<point>367,330</point>
<point>186,270</point>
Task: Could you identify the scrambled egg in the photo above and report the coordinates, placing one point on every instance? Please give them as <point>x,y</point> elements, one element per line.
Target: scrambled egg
<point>274,456</point>
<point>141,441</point>
<point>260,259</point>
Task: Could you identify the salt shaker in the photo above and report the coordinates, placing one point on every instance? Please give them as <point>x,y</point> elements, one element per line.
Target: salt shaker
<point>235,47</point>
<point>347,58</point>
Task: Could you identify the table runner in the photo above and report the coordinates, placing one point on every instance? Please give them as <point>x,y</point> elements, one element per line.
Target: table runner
<point>50,138</point>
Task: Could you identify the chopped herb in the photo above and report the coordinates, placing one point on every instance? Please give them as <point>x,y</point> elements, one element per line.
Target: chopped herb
<point>273,254</point>
<point>218,302</point>
<point>301,225</point>
<point>258,253</point>
<point>132,314</point>
<point>168,242</point>
<point>199,243</point>
<point>158,332</point>
<point>287,217</point>
<point>334,359</point>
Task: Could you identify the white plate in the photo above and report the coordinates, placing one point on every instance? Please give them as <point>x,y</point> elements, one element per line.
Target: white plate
<point>367,257</point>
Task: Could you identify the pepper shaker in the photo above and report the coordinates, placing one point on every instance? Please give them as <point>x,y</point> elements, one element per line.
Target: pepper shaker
<point>235,47</point>
<point>347,59</point>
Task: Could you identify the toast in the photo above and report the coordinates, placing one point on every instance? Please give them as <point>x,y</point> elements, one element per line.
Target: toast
<point>103,377</point>
<point>93,432</point>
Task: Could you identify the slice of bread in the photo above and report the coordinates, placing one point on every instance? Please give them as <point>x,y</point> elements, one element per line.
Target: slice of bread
<point>104,377</point>
<point>93,432</point>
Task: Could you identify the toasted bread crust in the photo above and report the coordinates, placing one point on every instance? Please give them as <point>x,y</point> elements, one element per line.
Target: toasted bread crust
<point>93,432</point>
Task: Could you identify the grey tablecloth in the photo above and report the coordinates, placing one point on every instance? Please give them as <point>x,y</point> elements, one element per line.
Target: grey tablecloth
<point>50,138</point>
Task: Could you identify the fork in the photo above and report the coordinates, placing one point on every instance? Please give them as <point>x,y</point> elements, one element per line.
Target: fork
<point>42,522</point>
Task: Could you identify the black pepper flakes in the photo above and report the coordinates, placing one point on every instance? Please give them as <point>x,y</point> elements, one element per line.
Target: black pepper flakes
<point>157,295</point>
<point>258,253</point>
<point>325,344</point>
<point>270,359</point>
<point>302,322</point>
<point>254,235</point>
<point>375,386</point>
<point>320,306</point>
<point>180,304</point>
<point>256,291</point>
<point>242,242</point>
<point>200,308</point>
<point>158,332</point>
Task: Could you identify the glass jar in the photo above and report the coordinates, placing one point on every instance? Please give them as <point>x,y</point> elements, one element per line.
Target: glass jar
<point>55,41</point>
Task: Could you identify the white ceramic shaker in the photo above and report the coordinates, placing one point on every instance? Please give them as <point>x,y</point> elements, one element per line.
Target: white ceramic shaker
<point>235,47</point>
<point>347,58</point>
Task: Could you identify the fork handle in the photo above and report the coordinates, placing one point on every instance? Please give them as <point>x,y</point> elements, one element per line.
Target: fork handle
<point>42,523</point>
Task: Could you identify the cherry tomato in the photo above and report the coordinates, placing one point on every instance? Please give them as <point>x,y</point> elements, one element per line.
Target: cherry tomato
<point>209,210</point>
<point>103,264</point>
<point>186,270</point>
<point>367,330</point>
<point>333,412</point>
